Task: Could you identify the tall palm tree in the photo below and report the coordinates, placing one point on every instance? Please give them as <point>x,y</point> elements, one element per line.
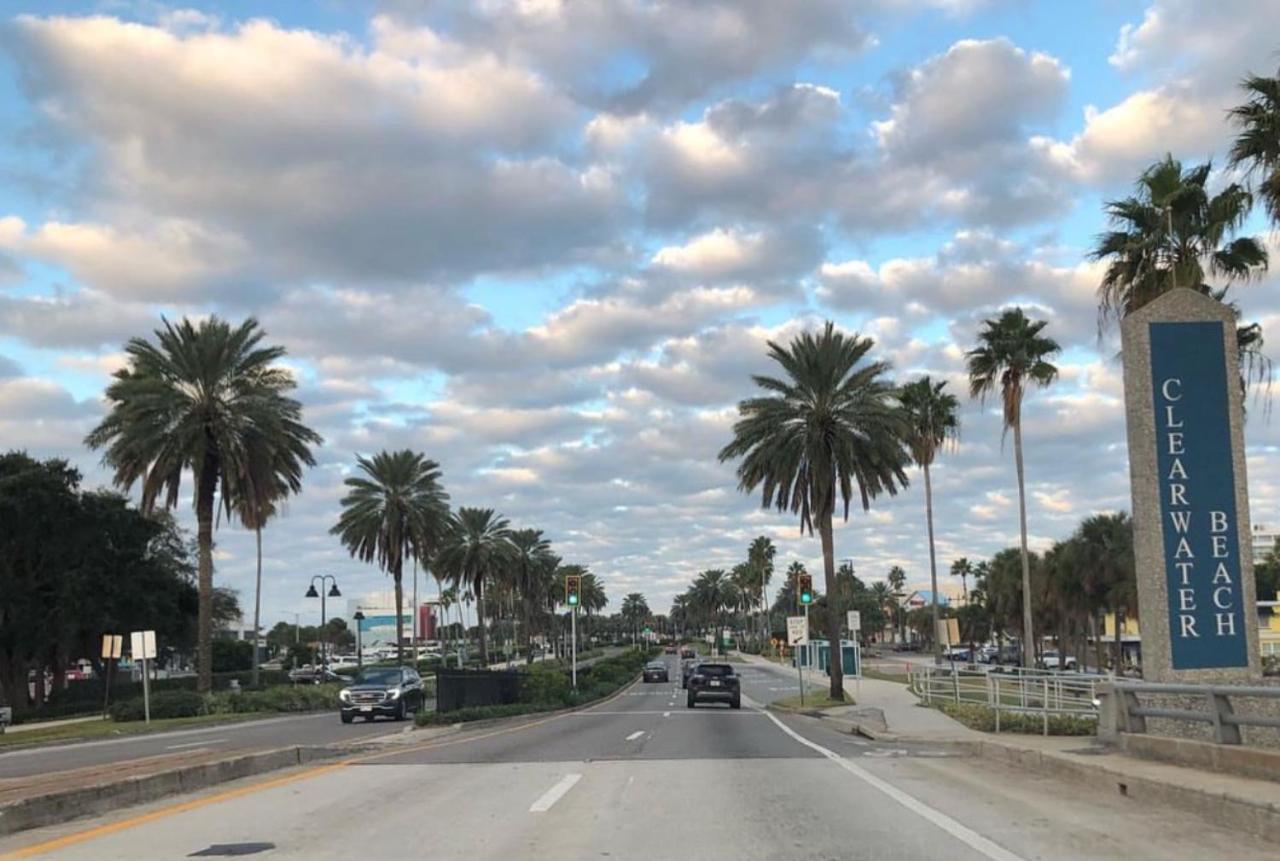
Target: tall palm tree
<point>475,548</point>
<point>1105,547</point>
<point>897,579</point>
<point>832,423</point>
<point>713,593</point>
<point>397,510</point>
<point>933,416</point>
<point>635,610</point>
<point>760,556</point>
<point>531,555</point>
<point>205,397</point>
<point>1011,355</point>
<point>254,511</point>
<point>1257,147</point>
<point>883,596</point>
<point>1174,233</point>
<point>963,568</point>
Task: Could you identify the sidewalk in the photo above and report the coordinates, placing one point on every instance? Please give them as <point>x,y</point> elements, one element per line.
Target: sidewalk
<point>48,724</point>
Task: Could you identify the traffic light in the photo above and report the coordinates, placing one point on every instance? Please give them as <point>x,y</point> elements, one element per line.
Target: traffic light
<point>572,589</point>
<point>805,588</point>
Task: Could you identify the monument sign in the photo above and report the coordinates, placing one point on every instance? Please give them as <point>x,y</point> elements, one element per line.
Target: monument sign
<point>1190,502</point>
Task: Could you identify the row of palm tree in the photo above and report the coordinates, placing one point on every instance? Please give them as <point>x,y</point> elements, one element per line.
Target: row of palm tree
<point>397,510</point>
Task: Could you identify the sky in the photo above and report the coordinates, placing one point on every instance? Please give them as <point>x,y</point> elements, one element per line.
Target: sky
<point>546,242</point>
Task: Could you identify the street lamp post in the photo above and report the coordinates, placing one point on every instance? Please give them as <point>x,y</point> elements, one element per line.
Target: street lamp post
<point>333,592</point>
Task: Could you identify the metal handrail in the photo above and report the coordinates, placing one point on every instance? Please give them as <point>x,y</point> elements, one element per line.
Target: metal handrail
<point>1219,713</point>
<point>1041,692</point>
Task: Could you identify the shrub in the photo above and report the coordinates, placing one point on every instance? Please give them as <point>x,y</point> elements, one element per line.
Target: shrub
<point>983,718</point>
<point>545,683</point>
<point>281,698</point>
<point>479,713</point>
<point>164,704</point>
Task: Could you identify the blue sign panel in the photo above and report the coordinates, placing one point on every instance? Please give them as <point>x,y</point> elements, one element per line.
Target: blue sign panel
<point>1197,496</point>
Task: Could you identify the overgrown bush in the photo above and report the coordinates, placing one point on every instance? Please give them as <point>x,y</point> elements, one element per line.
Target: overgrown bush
<point>546,683</point>
<point>164,704</point>
<point>983,718</point>
<point>282,698</point>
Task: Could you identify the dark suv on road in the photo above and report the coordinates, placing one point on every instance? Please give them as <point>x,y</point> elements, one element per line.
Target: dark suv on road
<point>389,691</point>
<point>714,683</point>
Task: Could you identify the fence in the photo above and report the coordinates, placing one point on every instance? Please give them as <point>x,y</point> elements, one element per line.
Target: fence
<point>459,689</point>
<point>1121,700</point>
<point>1015,691</point>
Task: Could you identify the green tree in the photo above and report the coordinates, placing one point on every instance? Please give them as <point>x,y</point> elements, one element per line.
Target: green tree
<point>934,422</point>
<point>760,556</point>
<point>1174,233</point>
<point>1257,146</point>
<point>1266,575</point>
<point>476,547</point>
<point>531,564</point>
<point>1011,355</point>
<point>830,425</point>
<point>206,397</point>
<point>395,511</point>
<point>897,579</point>
<point>1104,547</point>
<point>635,610</point>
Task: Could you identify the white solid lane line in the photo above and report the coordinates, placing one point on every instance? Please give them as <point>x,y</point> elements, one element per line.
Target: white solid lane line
<point>195,744</point>
<point>554,794</point>
<point>666,714</point>
<point>962,833</point>
<point>635,735</point>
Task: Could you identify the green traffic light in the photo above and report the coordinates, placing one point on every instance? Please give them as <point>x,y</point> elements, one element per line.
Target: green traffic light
<point>573,599</point>
<point>806,598</point>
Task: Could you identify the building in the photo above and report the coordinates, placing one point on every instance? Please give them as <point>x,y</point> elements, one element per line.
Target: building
<point>1263,541</point>
<point>1268,629</point>
<point>378,629</point>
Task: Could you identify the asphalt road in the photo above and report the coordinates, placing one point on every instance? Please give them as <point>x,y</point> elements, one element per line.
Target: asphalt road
<point>308,729</point>
<point>642,777</point>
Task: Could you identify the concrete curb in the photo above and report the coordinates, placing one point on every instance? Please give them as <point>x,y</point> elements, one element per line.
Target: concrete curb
<point>58,807</point>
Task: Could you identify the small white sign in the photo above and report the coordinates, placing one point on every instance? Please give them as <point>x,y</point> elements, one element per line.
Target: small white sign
<point>142,644</point>
<point>797,631</point>
<point>855,620</point>
<point>112,646</point>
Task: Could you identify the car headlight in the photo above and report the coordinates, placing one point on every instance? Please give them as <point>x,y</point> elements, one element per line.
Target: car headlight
<point>344,695</point>
<point>393,693</point>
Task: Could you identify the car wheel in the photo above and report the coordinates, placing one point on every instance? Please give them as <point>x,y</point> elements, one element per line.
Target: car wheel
<point>737,703</point>
<point>401,711</point>
<point>347,717</point>
<point>691,702</point>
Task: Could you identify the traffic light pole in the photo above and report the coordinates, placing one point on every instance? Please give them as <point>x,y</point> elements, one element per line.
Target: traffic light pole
<point>574,645</point>
<point>808,654</point>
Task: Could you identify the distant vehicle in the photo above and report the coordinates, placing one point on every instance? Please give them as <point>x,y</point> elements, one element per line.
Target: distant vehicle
<point>715,683</point>
<point>687,667</point>
<point>314,676</point>
<point>688,653</point>
<point>957,654</point>
<point>1009,654</point>
<point>656,671</point>
<point>670,650</point>
<point>389,691</point>
<point>1053,660</point>
<point>344,661</point>
<point>904,647</point>
<point>987,653</point>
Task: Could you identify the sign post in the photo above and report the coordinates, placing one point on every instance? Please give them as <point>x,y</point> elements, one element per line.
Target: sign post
<point>142,647</point>
<point>798,635</point>
<point>112,644</point>
<point>1185,415</point>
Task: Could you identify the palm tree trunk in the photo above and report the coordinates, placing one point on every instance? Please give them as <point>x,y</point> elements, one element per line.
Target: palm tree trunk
<point>835,666</point>
<point>257,607</point>
<point>396,575</point>
<point>933,559</point>
<point>204,575</point>
<point>1028,641</point>
<point>484,639</point>
<point>1118,616</point>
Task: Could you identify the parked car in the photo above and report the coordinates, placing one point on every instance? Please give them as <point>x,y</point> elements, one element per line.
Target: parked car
<point>656,671</point>
<point>309,675</point>
<point>986,654</point>
<point>1051,659</point>
<point>714,683</point>
<point>1010,655</point>
<point>389,691</point>
<point>956,653</point>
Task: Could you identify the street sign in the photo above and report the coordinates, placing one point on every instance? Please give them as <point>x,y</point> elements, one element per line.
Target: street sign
<point>142,645</point>
<point>797,631</point>
<point>112,646</point>
<point>855,621</point>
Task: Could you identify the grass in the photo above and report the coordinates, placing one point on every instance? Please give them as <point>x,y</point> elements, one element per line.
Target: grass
<point>110,729</point>
<point>983,719</point>
<point>812,700</point>
<point>899,678</point>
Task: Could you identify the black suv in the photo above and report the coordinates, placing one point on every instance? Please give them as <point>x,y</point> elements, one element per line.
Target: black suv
<point>388,691</point>
<point>714,682</point>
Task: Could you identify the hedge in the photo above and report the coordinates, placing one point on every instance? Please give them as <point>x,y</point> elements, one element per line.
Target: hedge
<point>164,704</point>
<point>983,718</point>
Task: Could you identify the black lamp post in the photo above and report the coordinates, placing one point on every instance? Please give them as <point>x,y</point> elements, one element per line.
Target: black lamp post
<point>333,592</point>
<point>358,618</point>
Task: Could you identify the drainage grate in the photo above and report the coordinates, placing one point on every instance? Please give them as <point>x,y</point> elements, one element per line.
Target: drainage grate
<point>229,850</point>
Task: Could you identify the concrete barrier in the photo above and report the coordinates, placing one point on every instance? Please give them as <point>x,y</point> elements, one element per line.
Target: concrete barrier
<point>1261,763</point>
<point>57,807</point>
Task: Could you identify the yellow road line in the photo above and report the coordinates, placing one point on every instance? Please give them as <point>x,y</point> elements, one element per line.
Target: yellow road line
<point>196,803</point>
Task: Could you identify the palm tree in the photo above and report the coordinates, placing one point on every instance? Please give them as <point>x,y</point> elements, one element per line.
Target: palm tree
<point>713,593</point>
<point>883,596</point>
<point>1257,147</point>
<point>1105,547</point>
<point>1012,354</point>
<point>634,610</point>
<point>962,568</point>
<point>531,554</point>
<point>932,413</point>
<point>760,556</point>
<point>476,547</point>
<point>395,511</point>
<point>1173,233</point>
<point>897,579</point>
<point>834,422</point>
<point>206,397</point>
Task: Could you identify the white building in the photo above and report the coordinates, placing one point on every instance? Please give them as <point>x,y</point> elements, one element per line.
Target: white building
<point>1263,541</point>
<point>379,625</point>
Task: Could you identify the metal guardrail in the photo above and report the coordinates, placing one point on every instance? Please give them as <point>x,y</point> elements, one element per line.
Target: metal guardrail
<point>1015,691</point>
<point>1220,713</point>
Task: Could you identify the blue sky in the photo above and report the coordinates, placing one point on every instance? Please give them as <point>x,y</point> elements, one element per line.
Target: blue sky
<point>546,243</point>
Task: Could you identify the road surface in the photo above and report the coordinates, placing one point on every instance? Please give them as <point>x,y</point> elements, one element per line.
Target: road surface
<point>642,777</point>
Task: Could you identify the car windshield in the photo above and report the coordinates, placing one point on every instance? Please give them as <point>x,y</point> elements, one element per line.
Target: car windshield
<point>715,670</point>
<point>378,677</point>
<point>656,665</point>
